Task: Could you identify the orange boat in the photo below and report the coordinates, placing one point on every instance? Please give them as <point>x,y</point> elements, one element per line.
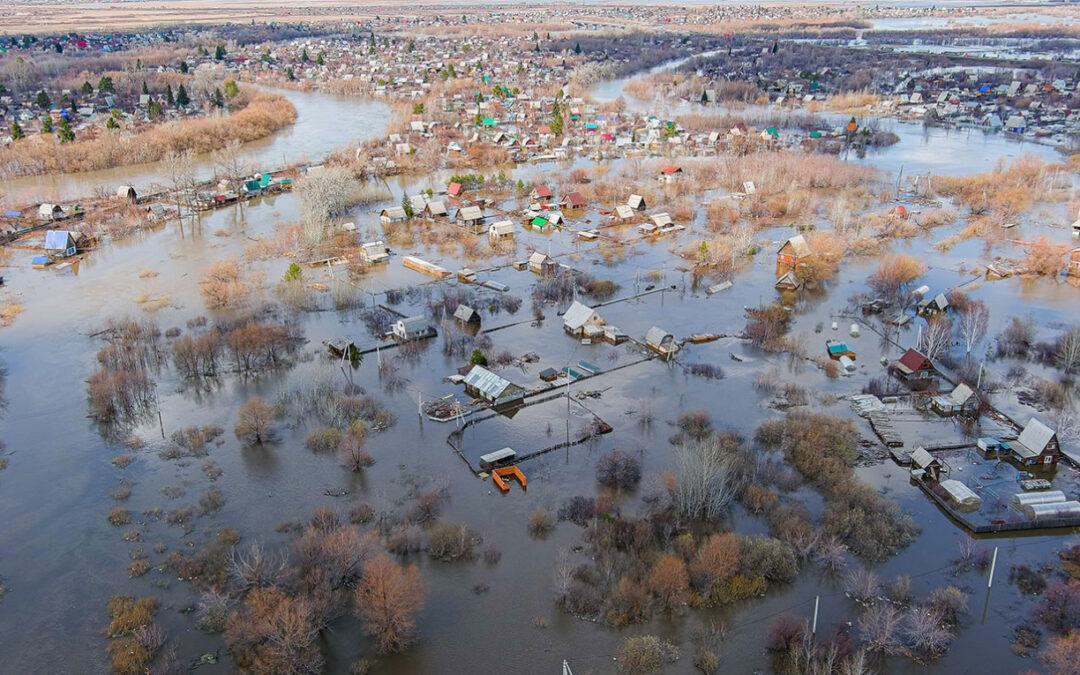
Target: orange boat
<point>507,472</point>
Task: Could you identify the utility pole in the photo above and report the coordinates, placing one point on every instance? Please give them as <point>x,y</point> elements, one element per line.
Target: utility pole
<point>813,629</point>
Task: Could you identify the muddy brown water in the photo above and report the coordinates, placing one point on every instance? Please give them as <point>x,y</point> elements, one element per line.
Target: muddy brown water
<point>62,560</point>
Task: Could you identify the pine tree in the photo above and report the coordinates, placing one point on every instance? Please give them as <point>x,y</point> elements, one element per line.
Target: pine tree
<point>217,99</point>
<point>304,56</point>
<point>59,48</point>
<point>145,89</point>
<point>65,132</point>
<point>319,59</point>
<point>153,110</point>
<point>87,88</point>
<point>43,100</point>
<point>105,84</point>
<point>219,52</point>
<point>112,123</point>
<point>183,66</point>
<point>17,131</point>
<point>411,47</point>
<point>289,73</point>
<point>577,48</point>
<point>407,205</point>
<point>182,97</point>
<point>46,125</point>
<point>169,95</point>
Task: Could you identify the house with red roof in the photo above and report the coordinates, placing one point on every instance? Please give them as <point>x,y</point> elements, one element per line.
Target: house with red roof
<point>914,369</point>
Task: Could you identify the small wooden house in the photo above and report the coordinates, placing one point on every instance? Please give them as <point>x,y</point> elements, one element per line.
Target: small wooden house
<point>794,253</point>
<point>542,264</point>
<point>1037,444</point>
<point>61,243</point>
<point>393,214</point>
<point>960,401</point>
<point>470,218</point>
<point>540,193</point>
<point>636,202</point>
<point>497,391</point>
<point>925,465</point>
<point>914,369</point>
<point>504,229</point>
<point>467,316</point>
<point>126,192</point>
<point>574,200</point>
<point>661,342</point>
<point>930,307</point>
<point>581,320</point>
<point>413,328</point>
<point>668,173</point>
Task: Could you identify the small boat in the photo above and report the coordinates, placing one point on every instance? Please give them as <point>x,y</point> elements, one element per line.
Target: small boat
<point>698,338</point>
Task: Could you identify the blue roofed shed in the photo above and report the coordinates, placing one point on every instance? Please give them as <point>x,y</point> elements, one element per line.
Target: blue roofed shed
<point>60,243</point>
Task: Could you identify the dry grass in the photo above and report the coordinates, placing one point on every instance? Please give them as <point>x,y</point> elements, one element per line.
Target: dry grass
<point>37,154</point>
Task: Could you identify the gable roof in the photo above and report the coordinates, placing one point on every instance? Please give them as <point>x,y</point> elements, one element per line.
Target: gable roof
<point>669,169</point>
<point>921,458</point>
<point>436,208</point>
<point>539,258</point>
<point>913,360</point>
<point>1033,439</point>
<point>414,324</point>
<point>503,227</point>
<point>58,240</point>
<point>466,314</point>
<point>542,191</point>
<point>577,315</point>
<point>486,382</point>
<point>574,199</point>
<point>636,202</point>
<point>798,245</point>
<point>961,394</point>
<point>657,336</point>
<point>453,189</point>
<point>470,213</point>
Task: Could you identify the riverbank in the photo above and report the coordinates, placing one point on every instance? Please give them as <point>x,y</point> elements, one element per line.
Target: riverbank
<point>266,113</point>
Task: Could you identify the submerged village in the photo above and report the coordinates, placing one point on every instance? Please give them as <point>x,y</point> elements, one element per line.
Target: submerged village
<point>580,338</point>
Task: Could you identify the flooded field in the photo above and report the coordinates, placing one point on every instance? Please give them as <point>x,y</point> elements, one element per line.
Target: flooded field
<point>62,560</point>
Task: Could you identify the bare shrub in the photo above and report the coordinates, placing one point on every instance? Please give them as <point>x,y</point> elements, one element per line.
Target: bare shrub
<point>645,655</point>
<point>862,585</point>
<point>451,541</point>
<point>540,522</point>
<point>785,633</point>
<point>618,469</point>
<point>880,628</point>
<point>273,633</point>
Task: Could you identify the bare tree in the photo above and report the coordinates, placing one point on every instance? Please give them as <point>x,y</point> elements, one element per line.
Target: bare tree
<point>180,174</point>
<point>254,420</point>
<point>934,341</point>
<point>705,476</point>
<point>974,318</point>
<point>388,599</point>
<point>879,628</point>
<point>1068,349</point>
<point>256,568</point>
<point>230,164</point>
<point>321,195</point>
<point>925,631</point>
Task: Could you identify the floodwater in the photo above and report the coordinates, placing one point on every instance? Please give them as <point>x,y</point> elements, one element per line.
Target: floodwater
<point>62,560</point>
<point>324,122</point>
<point>921,149</point>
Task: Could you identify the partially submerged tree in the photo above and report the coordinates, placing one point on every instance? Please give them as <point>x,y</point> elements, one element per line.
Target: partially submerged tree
<point>254,421</point>
<point>388,599</point>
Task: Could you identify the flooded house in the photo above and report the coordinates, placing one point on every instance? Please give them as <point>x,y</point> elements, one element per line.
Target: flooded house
<point>668,173</point>
<point>930,307</point>
<point>126,192</point>
<point>583,321</point>
<point>960,401</point>
<point>60,243</point>
<point>637,203</point>
<point>50,211</point>
<point>914,369</point>
<point>393,214</point>
<point>1037,444</point>
<point>573,200</point>
<point>436,209</point>
<point>470,218</point>
<point>467,316</point>
<point>788,281</point>
<point>661,342</point>
<point>374,252</point>
<point>794,252</point>
<point>497,391</point>
<point>542,264</point>
<point>504,229</point>
<point>926,466</point>
<point>413,328</point>
<point>540,193</point>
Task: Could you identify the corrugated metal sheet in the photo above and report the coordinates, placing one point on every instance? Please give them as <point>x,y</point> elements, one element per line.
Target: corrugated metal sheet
<point>489,384</point>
